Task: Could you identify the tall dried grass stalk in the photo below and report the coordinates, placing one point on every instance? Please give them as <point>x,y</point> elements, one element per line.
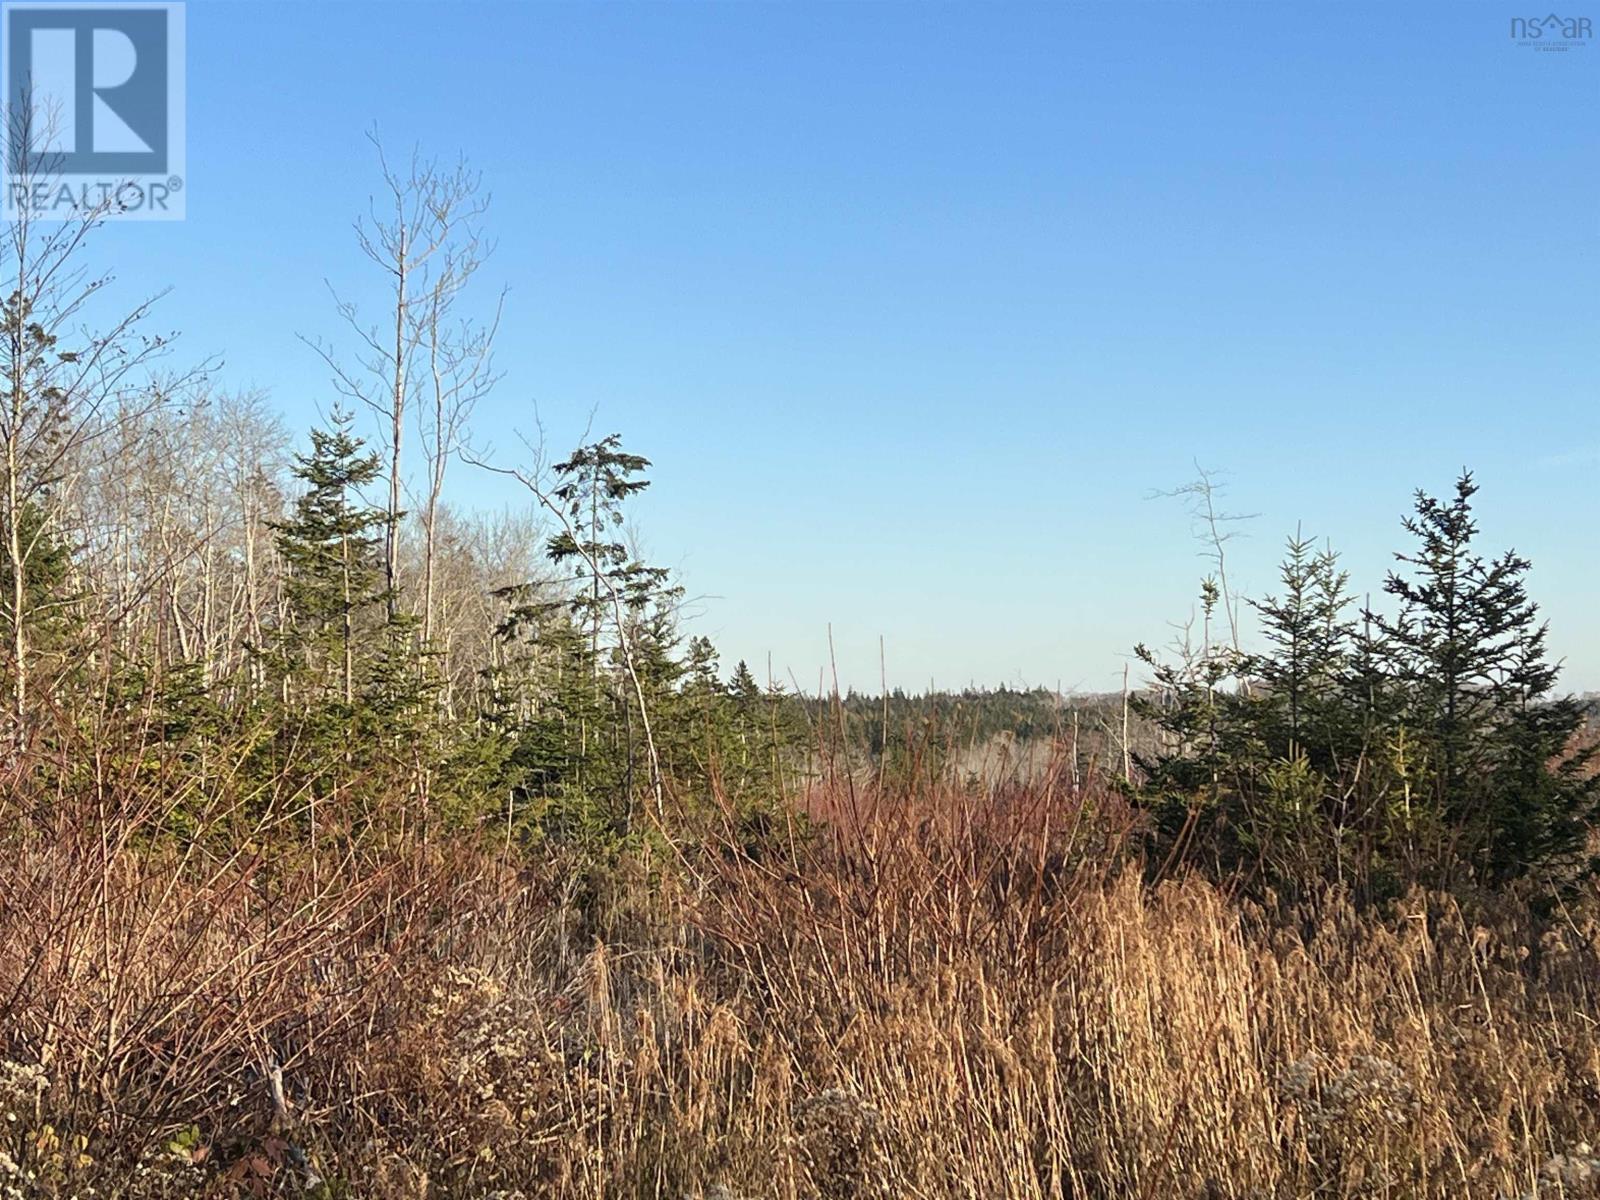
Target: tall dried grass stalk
<point>896,994</point>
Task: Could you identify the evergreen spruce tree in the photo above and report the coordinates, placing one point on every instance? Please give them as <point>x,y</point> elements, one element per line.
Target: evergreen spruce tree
<point>50,615</point>
<point>1429,744</point>
<point>1461,617</point>
<point>1308,635</point>
<point>1468,650</point>
<point>578,668</point>
<point>331,551</point>
<point>595,482</point>
<point>1549,799</point>
<point>336,655</point>
<point>615,593</point>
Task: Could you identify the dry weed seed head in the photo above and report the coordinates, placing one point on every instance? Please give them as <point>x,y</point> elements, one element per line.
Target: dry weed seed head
<point>841,1143</point>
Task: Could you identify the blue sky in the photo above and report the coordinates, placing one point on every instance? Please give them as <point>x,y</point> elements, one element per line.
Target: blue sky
<point>914,305</point>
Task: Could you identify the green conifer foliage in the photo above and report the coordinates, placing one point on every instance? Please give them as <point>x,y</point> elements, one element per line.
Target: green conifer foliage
<point>1425,744</point>
<point>330,547</point>
<point>1467,649</point>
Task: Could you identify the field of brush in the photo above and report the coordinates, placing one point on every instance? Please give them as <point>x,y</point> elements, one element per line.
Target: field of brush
<point>902,993</point>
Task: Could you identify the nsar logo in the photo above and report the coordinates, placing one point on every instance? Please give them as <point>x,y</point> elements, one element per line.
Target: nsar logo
<point>1552,32</point>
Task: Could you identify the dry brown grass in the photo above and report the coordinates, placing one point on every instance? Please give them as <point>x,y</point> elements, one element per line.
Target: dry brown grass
<point>932,995</point>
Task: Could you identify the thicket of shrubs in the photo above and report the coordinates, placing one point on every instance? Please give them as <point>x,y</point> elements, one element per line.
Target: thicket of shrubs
<point>915,992</point>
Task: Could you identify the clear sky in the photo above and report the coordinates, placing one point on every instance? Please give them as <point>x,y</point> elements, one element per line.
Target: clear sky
<point>913,304</point>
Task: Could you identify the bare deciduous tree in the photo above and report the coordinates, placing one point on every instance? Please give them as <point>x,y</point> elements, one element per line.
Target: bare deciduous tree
<point>422,231</point>
<point>1213,530</point>
<point>459,354</point>
<point>68,388</point>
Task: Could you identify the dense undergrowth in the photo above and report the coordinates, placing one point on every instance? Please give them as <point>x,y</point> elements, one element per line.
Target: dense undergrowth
<point>912,991</point>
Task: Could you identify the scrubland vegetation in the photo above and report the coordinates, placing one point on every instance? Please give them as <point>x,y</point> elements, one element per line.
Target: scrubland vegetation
<point>354,846</point>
